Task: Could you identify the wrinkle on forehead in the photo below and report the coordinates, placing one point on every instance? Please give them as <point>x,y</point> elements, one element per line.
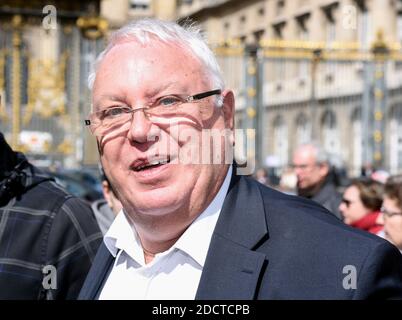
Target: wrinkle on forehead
<point>190,67</point>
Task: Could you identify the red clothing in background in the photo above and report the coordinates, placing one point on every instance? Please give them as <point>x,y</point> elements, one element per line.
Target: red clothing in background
<point>368,223</point>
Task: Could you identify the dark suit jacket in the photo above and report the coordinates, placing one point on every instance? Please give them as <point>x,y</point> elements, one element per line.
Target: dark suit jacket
<point>268,245</point>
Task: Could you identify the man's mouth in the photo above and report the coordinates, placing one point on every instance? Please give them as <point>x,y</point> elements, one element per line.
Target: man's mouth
<point>146,164</point>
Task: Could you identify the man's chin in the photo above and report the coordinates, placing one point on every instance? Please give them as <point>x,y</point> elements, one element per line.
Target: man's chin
<point>305,191</point>
<point>154,202</point>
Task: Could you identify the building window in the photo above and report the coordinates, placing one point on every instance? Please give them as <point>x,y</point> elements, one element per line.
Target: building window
<point>261,11</point>
<point>303,35</point>
<point>302,27</point>
<point>258,35</point>
<point>280,7</point>
<point>330,25</point>
<point>281,140</point>
<point>278,30</point>
<point>303,129</point>
<point>395,150</point>
<point>303,3</point>
<point>357,141</point>
<point>399,26</point>
<point>140,4</point>
<point>330,136</point>
<point>364,28</point>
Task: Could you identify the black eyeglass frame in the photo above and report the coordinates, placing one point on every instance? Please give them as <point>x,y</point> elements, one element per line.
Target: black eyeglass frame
<point>389,214</point>
<point>186,99</point>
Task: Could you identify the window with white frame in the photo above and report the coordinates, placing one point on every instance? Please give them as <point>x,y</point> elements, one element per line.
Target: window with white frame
<point>279,64</point>
<point>140,4</point>
<point>330,135</point>
<point>303,129</point>
<point>398,9</point>
<point>357,136</point>
<point>330,25</point>
<point>280,7</point>
<point>281,140</point>
<point>399,26</point>
<point>395,146</point>
<point>303,35</point>
<point>364,28</point>
<point>278,30</point>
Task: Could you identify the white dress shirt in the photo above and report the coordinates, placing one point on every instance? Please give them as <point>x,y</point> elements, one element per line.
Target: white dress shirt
<point>173,274</point>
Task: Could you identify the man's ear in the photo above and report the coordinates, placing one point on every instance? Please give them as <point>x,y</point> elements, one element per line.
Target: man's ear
<point>106,193</point>
<point>228,108</point>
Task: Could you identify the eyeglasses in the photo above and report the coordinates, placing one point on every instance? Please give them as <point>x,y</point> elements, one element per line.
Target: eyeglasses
<point>114,119</point>
<point>303,167</point>
<point>346,202</point>
<point>390,214</point>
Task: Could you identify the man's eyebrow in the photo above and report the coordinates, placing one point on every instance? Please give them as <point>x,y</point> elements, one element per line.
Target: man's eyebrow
<point>109,97</point>
<point>163,87</point>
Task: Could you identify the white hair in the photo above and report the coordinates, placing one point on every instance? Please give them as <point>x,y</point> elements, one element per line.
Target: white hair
<point>321,155</point>
<point>188,36</point>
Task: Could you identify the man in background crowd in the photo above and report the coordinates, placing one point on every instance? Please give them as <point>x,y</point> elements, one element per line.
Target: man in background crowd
<point>315,179</point>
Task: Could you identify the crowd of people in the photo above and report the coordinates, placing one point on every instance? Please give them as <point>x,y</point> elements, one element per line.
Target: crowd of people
<point>372,202</point>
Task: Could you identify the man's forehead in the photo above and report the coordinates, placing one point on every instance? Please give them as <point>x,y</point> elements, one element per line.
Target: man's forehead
<point>122,96</point>
<point>155,45</point>
<point>141,59</point>
<point>305,154</point>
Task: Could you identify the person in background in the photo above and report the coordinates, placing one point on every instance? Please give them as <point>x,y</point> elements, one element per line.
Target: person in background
<point>361,204</point>
<point>315,179</point>
<point>48,238</point>
<point>288,181</point>
<point>261,176</point>
<point>105,210</point>
<point>392,211</point>
<point>380,176</point>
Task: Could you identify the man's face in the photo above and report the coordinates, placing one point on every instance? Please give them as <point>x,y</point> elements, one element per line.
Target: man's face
<point>308,172</point>
<point>135,75</point>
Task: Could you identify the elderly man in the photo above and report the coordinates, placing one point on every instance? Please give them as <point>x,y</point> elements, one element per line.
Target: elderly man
<point>314,177</point>
<point>193,230</point>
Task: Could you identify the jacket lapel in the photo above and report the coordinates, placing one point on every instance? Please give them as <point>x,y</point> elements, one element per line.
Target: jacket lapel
<point>232,267</point>
<point>97,275</point>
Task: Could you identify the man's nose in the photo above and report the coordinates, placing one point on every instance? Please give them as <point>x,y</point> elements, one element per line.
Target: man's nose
<point>141,128</point>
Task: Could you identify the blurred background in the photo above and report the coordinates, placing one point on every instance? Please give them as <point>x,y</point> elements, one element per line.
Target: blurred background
<point>302,70</point>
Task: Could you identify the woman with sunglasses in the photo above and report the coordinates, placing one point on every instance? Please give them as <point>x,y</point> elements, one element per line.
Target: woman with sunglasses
<point>392,211</point>
<point>361,204</point>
